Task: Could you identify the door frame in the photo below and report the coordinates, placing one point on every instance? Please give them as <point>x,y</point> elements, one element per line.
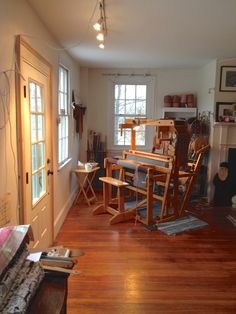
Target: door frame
<point>36,60</point>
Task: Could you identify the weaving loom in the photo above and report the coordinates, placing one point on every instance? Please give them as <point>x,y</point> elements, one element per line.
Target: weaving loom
<point>151,177</point>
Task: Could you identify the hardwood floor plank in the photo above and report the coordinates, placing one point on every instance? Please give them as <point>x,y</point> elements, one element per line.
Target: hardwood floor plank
<point>127,269</point>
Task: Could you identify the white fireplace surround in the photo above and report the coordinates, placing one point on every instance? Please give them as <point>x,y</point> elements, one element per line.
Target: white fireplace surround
<point>223,137</point>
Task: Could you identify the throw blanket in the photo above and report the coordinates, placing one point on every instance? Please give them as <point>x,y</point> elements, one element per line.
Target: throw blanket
<point>11,238</point>
<point>19,277</point>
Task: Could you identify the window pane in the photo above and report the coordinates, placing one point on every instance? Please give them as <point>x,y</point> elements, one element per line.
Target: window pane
<point>61,79</point>
<point>34,157</point>
<point>61,103</point>
<point>34,187</point>
<point>141,107</point>
<point>130,107</point>
<point>41,155</point>
<point>119,91</point>
<point>63,126</point>
<point>130,91</point>
<point>63,110</point>
<point>33,128</point>
<point>63,148</point>
<point>65,81</point>
<point>32,97</point>
<point>65,103</point>
<point>140,138</point>
<point>59,131</point>
<point>66,148</point>
<point>39,99</point>
<point>127,137</point>
<point>40,128</point>
<point>118,120</point>
<point>67,126</point>
<point>118,139</point>
<point>59,151</point>
<point>141,91</point>
<point>41,183</point>
<point>119,107</point>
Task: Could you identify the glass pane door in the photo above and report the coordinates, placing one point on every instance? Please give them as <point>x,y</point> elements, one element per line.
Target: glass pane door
<point>38,164</point>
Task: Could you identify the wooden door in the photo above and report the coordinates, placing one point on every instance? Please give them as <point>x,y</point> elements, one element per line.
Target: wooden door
<point>35,145</point>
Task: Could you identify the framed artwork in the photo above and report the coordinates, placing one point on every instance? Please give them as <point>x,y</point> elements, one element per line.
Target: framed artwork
<point>228,79</point>
<point>225,111</point>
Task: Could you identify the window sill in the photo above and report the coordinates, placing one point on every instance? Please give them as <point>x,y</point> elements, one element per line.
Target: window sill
<point>66,162</point>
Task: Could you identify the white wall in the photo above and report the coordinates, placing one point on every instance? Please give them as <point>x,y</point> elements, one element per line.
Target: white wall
<point>16,17</point>
<point>168,82</point>
<point>207,81</point>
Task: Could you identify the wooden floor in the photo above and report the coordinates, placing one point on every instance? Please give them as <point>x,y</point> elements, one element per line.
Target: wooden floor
<point>128,269</point>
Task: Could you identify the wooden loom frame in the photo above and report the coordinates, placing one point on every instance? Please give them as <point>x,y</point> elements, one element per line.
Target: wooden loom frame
<point>166,175</point>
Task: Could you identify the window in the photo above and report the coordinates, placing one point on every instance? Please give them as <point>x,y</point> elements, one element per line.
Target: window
<point>130,102</point>
<point>63,112</point>
<point>38,141</point>
<point>130,98</point>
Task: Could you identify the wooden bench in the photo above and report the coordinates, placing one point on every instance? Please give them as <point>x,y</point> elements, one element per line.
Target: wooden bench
<point>119,213</point>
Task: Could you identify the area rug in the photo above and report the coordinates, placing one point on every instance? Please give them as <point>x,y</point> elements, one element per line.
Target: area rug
<point>183,224</point>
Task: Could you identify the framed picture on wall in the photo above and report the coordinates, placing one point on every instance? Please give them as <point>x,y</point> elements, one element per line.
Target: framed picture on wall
<point>228,79</point>
<point>225,111</point>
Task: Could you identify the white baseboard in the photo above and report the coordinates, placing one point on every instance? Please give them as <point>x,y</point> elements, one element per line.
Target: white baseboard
<point>63,212</point>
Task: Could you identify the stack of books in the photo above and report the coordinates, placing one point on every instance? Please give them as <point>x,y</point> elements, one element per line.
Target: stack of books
<point>57,257</point>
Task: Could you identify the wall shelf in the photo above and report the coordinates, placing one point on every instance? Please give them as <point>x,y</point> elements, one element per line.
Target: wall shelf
<point>179,112</point>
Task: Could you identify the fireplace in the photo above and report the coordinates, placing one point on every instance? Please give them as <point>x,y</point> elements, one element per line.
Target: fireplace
<point>223,148</point>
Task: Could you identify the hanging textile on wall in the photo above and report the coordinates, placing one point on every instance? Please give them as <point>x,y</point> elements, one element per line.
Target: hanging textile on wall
<point>78,113</point>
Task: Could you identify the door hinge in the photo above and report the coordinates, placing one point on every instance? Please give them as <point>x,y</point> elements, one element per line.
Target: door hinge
<point>24,91</point>
<point>27,178</point>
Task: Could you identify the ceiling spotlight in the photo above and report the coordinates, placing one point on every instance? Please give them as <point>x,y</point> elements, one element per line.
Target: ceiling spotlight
<point>100,37</point>
<point>98,26</point>
<point>102,46</point>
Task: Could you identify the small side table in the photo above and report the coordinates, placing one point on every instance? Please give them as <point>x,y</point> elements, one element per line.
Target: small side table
<point>85,186</point>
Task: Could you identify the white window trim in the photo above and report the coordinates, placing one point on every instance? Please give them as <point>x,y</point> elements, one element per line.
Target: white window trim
<point>64,162</point>
<point>150,82</point>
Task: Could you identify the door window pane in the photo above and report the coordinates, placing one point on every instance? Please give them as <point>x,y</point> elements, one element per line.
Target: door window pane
<point>41,183</point>
<point>34,157</point>
<point>40,127</point>
<point>41,156</point>
<point>39,99</point>
<point>32,92</point>
<point>38,154</point>
<point>33,128</point>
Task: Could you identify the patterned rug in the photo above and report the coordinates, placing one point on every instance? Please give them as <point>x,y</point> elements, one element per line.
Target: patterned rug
<point>183,224</point>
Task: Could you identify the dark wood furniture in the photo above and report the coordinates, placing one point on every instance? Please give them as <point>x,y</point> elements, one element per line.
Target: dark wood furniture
<point>51,296</point>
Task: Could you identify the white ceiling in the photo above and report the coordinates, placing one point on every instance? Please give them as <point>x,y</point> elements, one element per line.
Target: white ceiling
<point>144,33</point>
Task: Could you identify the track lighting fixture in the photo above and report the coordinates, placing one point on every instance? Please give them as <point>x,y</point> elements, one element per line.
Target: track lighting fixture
<point>100,37</point>
<point>101,45</point>
<point>100,25</point>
